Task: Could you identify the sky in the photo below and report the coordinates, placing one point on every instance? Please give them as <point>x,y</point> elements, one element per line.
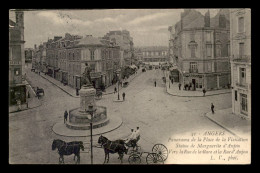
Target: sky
<point>148,27</point>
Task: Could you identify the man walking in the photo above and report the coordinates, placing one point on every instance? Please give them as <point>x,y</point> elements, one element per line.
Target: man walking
<point>154,83</point>
<point>115,90</point>
<point>204,92</point>
<point>179,86</point>
<point>65,116</point>
<point>123,96</point>
<point>212,108</point>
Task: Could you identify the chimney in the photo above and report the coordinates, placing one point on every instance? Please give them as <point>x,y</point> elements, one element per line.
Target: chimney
<point>207,19</point>
<point>19,18</point>
<point>35,46</point>
<point>222,21</point>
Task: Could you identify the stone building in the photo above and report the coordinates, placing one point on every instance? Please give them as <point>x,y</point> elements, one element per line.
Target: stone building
<point>199,46</point>
<point>28,53</point>
<point>17,86</point>
<point>155,55</point>
<point>240,43</point>
<point>125,42</point>
<point>66,59</point>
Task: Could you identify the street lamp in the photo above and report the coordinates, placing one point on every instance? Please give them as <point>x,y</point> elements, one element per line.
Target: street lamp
<point>91,111</point>
<point>118,83</point>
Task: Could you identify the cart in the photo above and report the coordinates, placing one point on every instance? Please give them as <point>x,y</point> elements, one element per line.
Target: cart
<point>158,155</point>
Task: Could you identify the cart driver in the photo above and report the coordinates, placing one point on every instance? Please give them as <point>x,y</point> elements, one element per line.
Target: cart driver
<point>137,134</point>
<point>131,137</point>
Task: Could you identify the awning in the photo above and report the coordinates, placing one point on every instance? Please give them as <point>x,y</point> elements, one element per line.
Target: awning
<point>56,69</point>
<point>132,66</point>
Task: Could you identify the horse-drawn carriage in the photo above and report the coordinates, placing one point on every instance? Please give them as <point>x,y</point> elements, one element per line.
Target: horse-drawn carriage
<point>39,91</point>
<point>158,155</point>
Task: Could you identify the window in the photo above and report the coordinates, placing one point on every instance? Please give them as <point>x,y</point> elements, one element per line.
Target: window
<point>92,67</point>
<point>241,24</point>
<point>209,49</point>
<point>228,49</point>
<point>236,95</point>
<point>193,51</point>
<point>241,50</point>
<point>218,50</point>
<point>92,54</point>
<point>193,67</point>
<point>209,67</point>
<point>242,75</point>
<point>243,103</point>
<point>208,37</point>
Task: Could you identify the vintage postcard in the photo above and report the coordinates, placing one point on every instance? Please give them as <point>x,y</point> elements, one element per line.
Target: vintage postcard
<point>130,86</point>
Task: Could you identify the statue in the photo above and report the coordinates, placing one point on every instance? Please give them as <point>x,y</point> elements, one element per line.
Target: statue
<point>86,79</point>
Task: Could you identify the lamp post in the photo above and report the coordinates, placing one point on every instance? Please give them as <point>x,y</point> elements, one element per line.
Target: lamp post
<point>118,83</point>
<point>91,112</point>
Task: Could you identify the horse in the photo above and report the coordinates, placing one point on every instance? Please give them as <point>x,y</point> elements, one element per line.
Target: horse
<point>112,147</point>
<point>68,149</point>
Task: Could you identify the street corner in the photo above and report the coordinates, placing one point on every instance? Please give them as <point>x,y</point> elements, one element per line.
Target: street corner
<point>230,122</point>
<point>61,129</point>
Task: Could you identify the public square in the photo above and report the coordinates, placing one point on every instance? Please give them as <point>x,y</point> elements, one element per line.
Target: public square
<point>158,114</point>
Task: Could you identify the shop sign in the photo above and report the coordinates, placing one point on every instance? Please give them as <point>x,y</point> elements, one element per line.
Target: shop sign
<point>15,62</point>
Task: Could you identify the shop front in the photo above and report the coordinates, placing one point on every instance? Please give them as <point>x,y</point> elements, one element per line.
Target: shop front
<point>17,93</point>
<point>193,82</point>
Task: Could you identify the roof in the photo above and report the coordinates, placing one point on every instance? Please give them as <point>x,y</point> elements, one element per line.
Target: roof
<point>89,40</point>
<point>11,23</point>
<point>198,22</point>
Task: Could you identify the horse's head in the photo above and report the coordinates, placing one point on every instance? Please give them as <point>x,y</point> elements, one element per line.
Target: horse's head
<point>57,144</point>
<point>102,139</point>
<point>81,145</point>
<point>54,144</point>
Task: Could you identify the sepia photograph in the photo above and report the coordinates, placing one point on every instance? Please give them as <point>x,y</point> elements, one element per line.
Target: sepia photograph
<point>130,86</point>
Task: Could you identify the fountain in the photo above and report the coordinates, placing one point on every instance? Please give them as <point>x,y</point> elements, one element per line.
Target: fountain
<point>79,118</point>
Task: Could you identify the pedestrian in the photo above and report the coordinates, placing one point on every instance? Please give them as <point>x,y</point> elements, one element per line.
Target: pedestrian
<point>204,92</point>
<point>155,83</point>
<point>115,90</point>
<point>123,96</point>
<point>19,105</point>
<point>65,116</point>
<point>179,86</point>
<point>172,80</point>
<point>212,108</point>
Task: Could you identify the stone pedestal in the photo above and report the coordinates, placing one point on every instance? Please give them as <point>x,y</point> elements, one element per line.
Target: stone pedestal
<point>79,118</point>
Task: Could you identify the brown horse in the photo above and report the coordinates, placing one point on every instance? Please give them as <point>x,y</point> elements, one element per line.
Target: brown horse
<point>112,147</point>
<point>67,149</point>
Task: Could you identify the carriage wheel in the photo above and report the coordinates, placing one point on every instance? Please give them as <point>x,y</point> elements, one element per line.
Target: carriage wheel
<point>153,158</point>
<point>134,159</point>
<point>161,150</point>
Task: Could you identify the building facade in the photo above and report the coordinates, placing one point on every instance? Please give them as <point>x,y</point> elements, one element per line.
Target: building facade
<point>17,86</point>
<point>125,42</point>
<point>66,58</point>
<point>155,55</point>
<point>28,53</point>
<point>199,47</point>
<point>240,42</point>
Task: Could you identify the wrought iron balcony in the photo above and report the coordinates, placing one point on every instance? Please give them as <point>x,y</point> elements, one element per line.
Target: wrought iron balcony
<point>244,58</point>
<point>193,70</point>
<point>242,85</point>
